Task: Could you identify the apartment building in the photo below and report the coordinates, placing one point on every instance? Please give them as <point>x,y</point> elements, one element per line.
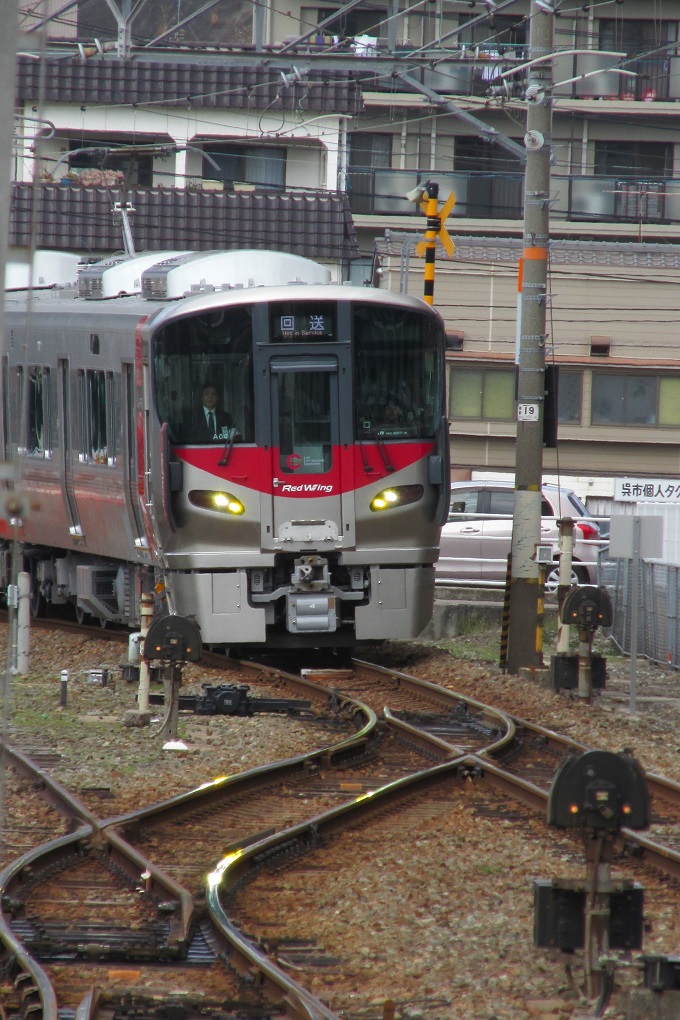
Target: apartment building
<point>304,127</point>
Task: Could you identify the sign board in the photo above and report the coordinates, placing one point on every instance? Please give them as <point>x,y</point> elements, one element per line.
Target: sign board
<point>621,537</point>
<point>527,412</point>
<point>646,490</point>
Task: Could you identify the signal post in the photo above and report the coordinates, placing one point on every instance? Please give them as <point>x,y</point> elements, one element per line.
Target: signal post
<point>429,195</point>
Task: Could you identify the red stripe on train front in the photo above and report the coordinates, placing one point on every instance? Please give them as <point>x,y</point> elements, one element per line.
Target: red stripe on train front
<point>353,467</point>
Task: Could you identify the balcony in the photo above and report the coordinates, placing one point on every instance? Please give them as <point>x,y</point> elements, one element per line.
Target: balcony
<point>620,200</point>
<point>499,196</point>
<point>478,194</point>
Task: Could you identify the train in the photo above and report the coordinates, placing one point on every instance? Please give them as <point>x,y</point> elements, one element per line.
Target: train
<point>305,513</point>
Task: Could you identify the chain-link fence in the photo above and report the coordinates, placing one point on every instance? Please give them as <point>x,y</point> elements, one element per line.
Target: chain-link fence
<point>658,636</point>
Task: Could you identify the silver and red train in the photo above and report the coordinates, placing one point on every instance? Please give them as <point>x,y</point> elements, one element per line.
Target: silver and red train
<point>310,516</point>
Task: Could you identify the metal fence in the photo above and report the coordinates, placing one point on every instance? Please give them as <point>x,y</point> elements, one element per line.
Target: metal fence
<point>658,634</point>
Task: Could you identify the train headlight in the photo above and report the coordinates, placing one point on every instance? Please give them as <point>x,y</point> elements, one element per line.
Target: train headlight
<point>396,495</point>
<point>222,502</point>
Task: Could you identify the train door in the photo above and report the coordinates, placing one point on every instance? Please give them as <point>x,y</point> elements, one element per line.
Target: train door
<point>310,450</point>
<point>132,501</point>
<point>66,466</point>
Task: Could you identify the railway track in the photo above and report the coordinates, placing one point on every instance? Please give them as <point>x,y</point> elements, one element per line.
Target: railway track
<point>421,754</point>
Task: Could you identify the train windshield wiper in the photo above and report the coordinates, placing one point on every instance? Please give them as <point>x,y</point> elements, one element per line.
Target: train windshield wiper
<point>380,443</point>
<point>224,459</point>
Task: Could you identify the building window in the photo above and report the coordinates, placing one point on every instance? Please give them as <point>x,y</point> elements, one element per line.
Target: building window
<point>482,393</point>
<point>495,179</point>
<point>633,159</point>
<point>138,169</point>
<point>669,401</point>
<point>264,166</point>
<point>348,25</point>
<point>503,32</point>
<point>371,190</point>
<point>624,399</point>
<point>569,396</point>
<point>647,40</point>
<point>38,411</point>
<point>641,169</point>
<point>370,150</point>
<point>636,35</point>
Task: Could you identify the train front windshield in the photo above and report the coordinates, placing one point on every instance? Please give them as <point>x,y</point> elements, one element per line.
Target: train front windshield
<point>203,366</point>
<point>204,379</point>
<point>398,373</point>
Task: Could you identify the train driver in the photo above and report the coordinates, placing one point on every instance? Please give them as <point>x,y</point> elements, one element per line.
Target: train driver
<point>211,424</point>
<point>393,413</point>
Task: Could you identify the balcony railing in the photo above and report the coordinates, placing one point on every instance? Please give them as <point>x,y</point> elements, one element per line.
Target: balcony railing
<point>478,194</point>
<point>482,195</point>
<point>623,200</point>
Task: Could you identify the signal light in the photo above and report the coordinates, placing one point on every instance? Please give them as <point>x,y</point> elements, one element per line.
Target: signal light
<point>397,495</point>
<point>223,502</point>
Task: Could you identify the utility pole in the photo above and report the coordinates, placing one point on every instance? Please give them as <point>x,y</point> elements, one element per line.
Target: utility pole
<point>526,523</point>
<point>8,65</point>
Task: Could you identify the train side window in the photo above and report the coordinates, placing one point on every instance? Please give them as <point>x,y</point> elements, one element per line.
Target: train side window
<point>111,404</point>
<point>38,440</point>
<point>97,418</point>
<point>5,409</point>
<point>18,414</point>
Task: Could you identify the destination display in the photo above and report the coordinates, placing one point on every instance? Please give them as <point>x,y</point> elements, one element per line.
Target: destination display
<point>308,323</point>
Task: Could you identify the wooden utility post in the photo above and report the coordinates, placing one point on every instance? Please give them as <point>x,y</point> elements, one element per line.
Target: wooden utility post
<point>526,524</point>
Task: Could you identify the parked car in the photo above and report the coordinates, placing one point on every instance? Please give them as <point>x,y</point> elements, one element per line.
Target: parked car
<point>476,540</point>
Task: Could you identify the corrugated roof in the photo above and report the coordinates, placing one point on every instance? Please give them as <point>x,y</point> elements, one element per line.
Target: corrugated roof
<point>315,224</point>
<point>123,81</point>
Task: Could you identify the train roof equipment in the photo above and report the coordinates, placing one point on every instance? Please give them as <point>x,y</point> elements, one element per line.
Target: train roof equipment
<point>47,269</point>
<point>119,275</point>
<point>198,272</point>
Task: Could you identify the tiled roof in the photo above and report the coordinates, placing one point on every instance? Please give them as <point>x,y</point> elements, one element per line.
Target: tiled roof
<point>316,224</point>
<point>562,250</point>
<point>126,81</point>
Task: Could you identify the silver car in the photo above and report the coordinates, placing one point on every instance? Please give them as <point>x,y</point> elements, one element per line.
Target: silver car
<point>476,540</point>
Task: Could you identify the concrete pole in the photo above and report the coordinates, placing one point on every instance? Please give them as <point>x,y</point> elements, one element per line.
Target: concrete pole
<point>566,526</point>
<point>8,63</point>
<point>526,525</point>
<point>23,623</point>
<point>146,613</point>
